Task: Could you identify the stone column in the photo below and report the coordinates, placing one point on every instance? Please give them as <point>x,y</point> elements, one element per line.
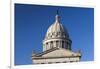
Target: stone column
<point>49,45</point>
<point>57,43</point>
<point>54,44</point>
<point>44,45</point>
<point>61,43</point>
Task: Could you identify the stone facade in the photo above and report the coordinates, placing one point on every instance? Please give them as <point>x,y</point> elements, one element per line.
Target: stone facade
<point>56,60</point>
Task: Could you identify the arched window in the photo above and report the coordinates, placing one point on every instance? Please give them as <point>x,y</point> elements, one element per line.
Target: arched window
<point>59,34</point>
<point>66,45</point>
<point>69,46</point>
<point>62,44</point>
<point>51,44</point>
<point>46,46</point>
<point>57,44</point>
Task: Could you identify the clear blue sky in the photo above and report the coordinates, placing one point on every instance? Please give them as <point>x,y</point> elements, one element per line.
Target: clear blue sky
<point>32,22</point>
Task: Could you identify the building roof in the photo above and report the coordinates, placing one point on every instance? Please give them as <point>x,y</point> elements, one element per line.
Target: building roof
<point>57,52</point>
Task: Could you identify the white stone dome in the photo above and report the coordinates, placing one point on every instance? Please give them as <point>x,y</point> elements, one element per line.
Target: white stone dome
<point>56,36</point>
<point>56,30</point>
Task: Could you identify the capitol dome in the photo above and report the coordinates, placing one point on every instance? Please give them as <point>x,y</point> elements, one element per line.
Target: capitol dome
<point>56,36</point>
<point>56,30</point>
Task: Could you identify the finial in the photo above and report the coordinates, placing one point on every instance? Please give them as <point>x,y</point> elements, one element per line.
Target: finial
<point>57,16</point>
